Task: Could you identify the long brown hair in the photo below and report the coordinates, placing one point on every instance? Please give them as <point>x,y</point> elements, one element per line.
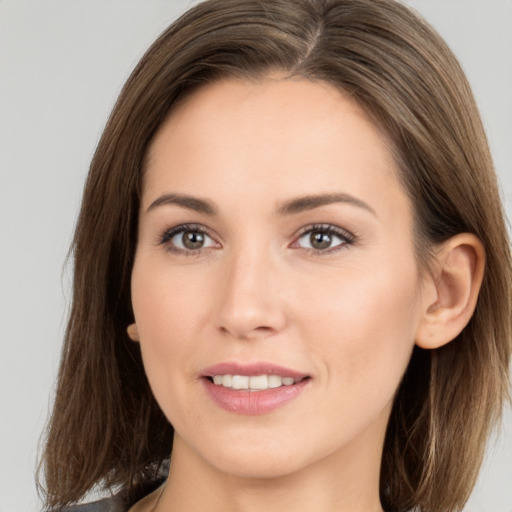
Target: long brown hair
<point>106,428</point>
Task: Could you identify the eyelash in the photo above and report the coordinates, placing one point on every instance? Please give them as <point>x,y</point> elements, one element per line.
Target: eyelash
<point>169,234</point>
<point>346,238</point>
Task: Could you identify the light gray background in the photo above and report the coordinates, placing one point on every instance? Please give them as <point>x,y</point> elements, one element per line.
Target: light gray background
<point>62,64</point>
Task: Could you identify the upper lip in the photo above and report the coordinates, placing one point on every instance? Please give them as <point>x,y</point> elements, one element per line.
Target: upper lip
<point>251,369</point>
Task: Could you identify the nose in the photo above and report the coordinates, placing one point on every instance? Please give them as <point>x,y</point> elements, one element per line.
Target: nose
<point>250,303</point>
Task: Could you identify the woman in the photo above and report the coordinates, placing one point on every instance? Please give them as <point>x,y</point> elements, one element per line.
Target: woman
<point>291,271</point>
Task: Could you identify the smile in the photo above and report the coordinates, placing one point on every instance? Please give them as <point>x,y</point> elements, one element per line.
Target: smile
<point>253,389</point>
<point>255,382</point>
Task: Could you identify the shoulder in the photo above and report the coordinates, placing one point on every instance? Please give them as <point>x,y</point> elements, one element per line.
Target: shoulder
<point>120,502</point>
<point>114,504</point>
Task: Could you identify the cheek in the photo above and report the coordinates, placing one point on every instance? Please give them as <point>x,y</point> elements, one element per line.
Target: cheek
<point>363,325</point>
<point>165,303</point>
<point>166,316</point>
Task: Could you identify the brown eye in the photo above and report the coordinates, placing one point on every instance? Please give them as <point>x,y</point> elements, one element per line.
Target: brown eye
<point>192,240</point>
<point>320,240</point>
<point>187,239</point>
<point>324,239</point>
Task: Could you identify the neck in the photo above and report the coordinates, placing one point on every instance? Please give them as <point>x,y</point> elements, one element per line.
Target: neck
<point>341,482</point>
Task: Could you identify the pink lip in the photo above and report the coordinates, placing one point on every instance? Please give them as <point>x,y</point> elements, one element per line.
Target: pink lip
<point>252,402</point>
<point>253,369</point>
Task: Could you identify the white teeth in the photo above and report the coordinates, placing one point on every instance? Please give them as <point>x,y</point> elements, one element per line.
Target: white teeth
<point>274,381</point>
<point>240,382</point>
<point>258,382</point>
<point>227,381</point>
<point>255,382</point>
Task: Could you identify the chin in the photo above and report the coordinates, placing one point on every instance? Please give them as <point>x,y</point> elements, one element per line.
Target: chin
<point>250,456</point>
<point>259,466</point>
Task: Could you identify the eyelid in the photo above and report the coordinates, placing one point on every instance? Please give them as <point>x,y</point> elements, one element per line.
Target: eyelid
<point>165,238</point>
<point>347,238</point>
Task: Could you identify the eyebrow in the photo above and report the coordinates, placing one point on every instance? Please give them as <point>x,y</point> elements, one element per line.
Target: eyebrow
<point>190,202</point>
<point>291,207</point>
<point>302,204</point>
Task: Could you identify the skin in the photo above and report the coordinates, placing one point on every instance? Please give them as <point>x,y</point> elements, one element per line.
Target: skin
<point>347,316</point>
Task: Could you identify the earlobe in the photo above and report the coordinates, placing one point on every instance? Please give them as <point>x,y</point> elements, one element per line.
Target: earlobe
<point>451,293</point>
<point>133,332</point>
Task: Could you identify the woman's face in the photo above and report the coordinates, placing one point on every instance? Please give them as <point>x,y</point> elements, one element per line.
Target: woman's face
<point>275,249</point>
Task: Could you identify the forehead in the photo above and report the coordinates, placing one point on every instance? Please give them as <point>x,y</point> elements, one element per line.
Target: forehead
<point>284,137</point>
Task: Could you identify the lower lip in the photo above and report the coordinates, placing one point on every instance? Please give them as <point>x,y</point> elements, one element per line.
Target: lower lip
<point>253,402</point>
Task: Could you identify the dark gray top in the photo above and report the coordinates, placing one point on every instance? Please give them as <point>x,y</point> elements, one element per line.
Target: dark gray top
<point>114,504</point>
<point>119,502</point>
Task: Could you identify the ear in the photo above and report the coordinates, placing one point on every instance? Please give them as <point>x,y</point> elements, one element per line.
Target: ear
<point>450,292</point>
<point>133,332</point>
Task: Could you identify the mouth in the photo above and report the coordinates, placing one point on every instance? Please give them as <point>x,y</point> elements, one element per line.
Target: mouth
<point>253,389</point>
<point>254,382</point>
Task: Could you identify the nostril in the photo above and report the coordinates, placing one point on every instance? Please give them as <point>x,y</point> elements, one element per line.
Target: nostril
<point>248,332</point>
